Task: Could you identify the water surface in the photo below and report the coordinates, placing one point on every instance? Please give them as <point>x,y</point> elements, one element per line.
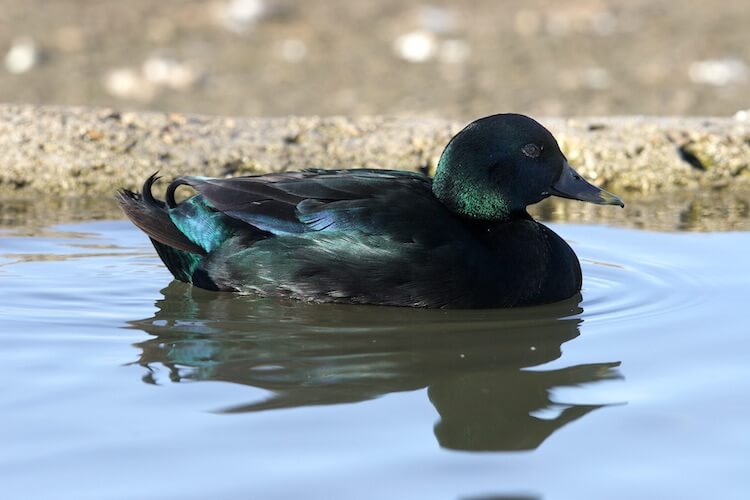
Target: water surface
<point>122,384</point>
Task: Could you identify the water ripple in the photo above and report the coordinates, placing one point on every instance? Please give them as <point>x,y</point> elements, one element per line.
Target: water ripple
<point>618,287</point>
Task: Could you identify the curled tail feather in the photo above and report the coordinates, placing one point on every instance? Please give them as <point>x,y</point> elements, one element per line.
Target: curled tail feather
<point>151,217</point>
<point>179,254</point>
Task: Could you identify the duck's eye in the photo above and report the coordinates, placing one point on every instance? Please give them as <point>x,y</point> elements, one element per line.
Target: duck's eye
<point>532,150</point>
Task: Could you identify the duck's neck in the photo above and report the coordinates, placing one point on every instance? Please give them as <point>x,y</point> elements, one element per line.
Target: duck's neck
<point>470,199</point>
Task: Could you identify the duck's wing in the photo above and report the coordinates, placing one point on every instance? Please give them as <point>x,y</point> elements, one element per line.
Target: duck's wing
<point>367,236</point>
<point>312,200</point>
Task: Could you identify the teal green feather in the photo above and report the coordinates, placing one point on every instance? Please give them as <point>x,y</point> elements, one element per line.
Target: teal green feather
<point>180,263</point>
<point>203,225</point>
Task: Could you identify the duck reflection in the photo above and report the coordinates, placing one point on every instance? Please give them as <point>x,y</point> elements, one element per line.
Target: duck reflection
<point>474,363</point>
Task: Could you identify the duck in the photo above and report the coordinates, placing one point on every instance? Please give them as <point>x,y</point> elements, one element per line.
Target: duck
<point>463,239</point>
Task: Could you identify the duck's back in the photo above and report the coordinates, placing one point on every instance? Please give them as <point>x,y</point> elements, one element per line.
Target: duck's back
<point>361,236</point>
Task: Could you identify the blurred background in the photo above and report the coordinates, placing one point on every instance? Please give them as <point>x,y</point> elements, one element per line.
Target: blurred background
<point>398,57</point>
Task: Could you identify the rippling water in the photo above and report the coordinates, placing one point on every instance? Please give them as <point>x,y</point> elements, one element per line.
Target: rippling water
<point>120,384</point>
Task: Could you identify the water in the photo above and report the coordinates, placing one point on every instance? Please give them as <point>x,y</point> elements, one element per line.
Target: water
<point>119,384</point>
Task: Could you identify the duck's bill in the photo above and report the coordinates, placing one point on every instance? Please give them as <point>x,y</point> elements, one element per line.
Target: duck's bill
<point>572,185</point>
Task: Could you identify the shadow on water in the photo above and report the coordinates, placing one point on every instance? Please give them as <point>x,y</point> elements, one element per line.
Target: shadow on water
<point>474,363</point>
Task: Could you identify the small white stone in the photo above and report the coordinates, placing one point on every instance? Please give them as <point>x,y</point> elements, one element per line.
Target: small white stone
<point>127,83</point>
<point>742,115</point>
<point>416,47</point>
<point>156,70</point>
<point>240,15</point>
<point>22,56</point>
<point>718,72</point>
<point>166,72</point>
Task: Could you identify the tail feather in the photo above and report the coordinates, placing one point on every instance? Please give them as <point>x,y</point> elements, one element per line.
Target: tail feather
<point>179,254</point>
<point>151,217</point>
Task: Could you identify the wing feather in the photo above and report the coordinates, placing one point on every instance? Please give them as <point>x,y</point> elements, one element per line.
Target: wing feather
<point>312,200</point>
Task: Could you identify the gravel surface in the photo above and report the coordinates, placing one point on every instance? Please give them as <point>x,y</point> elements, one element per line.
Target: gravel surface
<point>455,60</point>
<point>59,150</point>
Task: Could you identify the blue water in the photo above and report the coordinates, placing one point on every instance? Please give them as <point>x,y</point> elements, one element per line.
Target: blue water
<point>118,384</point>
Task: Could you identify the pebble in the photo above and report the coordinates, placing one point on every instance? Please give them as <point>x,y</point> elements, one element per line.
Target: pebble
<point>169,73</point>
<point>718,72</point>
<point>416,47</point>
<point>127,83</point>
<point>240,15</point>
<point>156,73</point>
<point>22,57</point>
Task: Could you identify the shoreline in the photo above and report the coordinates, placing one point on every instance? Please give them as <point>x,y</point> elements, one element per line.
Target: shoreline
<point>74,151</point>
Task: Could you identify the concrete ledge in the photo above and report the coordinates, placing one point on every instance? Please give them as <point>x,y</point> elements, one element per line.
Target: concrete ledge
<point>58,150</point>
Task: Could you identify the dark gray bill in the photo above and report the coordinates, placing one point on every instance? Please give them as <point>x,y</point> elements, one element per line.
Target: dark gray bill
<point>572,185</point>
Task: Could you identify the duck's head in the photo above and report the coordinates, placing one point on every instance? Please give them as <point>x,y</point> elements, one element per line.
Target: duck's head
<point>500,164</point>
